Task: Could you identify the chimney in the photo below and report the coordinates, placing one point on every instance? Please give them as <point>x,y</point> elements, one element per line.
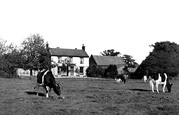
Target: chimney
<point>83,47</point>
<point>47,46</point>
<point>49,56</point>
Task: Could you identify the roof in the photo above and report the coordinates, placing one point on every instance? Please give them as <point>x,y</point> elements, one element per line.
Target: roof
<point>132,70</point>
<point>108,60</point>
<point>68,52</point>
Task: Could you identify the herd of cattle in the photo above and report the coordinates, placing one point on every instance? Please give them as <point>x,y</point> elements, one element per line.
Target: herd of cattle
<point>46,79</point>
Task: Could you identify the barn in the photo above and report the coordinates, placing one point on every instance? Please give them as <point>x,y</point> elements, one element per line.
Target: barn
<point>105,61</point>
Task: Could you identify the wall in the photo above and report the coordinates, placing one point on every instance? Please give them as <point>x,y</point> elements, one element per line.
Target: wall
<point>75,60</point>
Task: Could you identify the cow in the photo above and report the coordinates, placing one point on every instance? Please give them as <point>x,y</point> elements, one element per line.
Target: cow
<point>144,78</point>
<point>46,79</point>
<point>121,78</point>
<point>156,79</point>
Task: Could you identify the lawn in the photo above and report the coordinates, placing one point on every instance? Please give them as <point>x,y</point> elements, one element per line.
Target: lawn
<point>87,97</point>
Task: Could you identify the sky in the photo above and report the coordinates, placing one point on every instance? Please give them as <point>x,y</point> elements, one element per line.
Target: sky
<point>127,26</point>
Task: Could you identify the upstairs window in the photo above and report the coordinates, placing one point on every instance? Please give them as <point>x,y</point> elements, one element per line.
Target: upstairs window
<point>81,60</point>
<point>59,59</point>
<point>69,60</point>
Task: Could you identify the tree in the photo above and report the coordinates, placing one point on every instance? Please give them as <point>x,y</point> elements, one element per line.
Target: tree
<point>3,47</point>
<point>110,52</point>
<point>111,71</point>
<point>130,62</point>
<point>163,58</point>
<point>35,53</point>
<point>10,59</point>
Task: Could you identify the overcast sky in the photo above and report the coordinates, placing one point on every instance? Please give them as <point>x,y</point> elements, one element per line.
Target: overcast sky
<point>127,26</point>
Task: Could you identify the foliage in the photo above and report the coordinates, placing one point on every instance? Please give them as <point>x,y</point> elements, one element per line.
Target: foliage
<point>110,52</point>
<point>3,47</point>
<point>91,71</point>
<point>35,53</point>
<point>130,62</point>
<point>163,58</point>
<point>111,71</point>
<point>95,71</point>
<point>64,67</point>
<point>10,59</point>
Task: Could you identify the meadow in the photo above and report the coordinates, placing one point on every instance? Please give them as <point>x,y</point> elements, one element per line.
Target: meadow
<point>86,96</point>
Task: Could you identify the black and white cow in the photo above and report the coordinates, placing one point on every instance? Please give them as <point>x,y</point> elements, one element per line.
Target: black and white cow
<point>157,79</point>
<point>46,79</point>
<point>121,78</point>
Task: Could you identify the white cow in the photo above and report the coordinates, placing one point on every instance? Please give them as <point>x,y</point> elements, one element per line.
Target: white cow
<point>145,78</point>
<point>118,80</point>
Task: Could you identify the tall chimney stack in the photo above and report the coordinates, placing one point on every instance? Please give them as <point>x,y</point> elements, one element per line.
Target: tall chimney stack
<point>47,46</point>
<point>83,47</point>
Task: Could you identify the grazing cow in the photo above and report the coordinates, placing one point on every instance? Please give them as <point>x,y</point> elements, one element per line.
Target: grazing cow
<point>157,79</point>
<point>145,78</point>
<point>46,79</point>
<point>121,78</point>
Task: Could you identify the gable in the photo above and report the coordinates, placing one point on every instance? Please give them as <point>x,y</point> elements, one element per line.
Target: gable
<point>68,52</point>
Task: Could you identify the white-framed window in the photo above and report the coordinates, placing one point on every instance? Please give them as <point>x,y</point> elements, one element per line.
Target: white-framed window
<point>81,60</point>
<point>81,70</point>
<point>59,59</point>
<point>71,59</point>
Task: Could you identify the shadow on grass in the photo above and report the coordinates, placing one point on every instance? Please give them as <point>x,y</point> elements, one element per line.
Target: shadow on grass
<point>35,93</point>
<point>141,90</point>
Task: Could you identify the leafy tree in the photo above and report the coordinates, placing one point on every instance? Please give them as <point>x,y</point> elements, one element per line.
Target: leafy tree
<point>10,59</point>
<point>130,62</point>
<point>163,58</point>
<point>3,47</point>
<point>91,71</point>
<point>35,53</point>
<point>110,52</point>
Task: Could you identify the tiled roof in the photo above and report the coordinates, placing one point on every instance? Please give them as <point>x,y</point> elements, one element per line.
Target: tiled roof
<point>108,60</point>
<point>68,52</point>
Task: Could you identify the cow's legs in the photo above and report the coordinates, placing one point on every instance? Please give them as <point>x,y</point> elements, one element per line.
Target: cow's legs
<point>164,85</point>
<point>47,91</point>
<point>152,85</point>
<point>157,87</point>
<point>37,89</point>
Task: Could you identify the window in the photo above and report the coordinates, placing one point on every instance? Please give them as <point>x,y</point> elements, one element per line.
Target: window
<point>71,59</point>
<point>81,69</point>
<point>59,70</point>
<point>59,59</point>
<point>81,60</point>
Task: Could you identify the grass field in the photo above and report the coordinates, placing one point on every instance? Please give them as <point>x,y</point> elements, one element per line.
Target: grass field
<point>87,97</point>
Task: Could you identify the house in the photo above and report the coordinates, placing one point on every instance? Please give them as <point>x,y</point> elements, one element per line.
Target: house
<point>105,61</point>
<point>75,61</point>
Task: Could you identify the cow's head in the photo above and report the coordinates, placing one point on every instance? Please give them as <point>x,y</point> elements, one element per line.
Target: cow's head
<point>57,89</point>
<point>169,87</point>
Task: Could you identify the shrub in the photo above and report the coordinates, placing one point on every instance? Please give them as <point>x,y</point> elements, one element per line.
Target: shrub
<point>95,71</point>
<point>111,71</point>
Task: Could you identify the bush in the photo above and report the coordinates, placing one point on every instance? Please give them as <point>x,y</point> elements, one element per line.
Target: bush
<point>95,71</point>
<point>111,71</point>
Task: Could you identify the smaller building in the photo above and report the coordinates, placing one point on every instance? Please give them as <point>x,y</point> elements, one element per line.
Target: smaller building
<point>69,62</point>
<point>105,61</point>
